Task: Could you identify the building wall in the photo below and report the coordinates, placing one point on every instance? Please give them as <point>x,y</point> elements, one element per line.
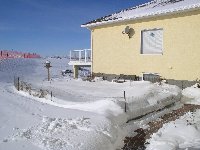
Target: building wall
<point>115,53</point>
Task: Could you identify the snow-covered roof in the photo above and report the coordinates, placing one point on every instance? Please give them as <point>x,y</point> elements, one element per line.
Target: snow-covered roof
<point>150,9</point>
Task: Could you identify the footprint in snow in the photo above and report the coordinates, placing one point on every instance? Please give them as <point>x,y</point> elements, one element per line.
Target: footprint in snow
<point>5,140</point>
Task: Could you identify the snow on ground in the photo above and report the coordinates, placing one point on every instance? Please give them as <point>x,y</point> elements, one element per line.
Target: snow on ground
<point>184,133</point>
<point>27,124</point>
<point>192,94</point>
<point>81,115</point>
<point>143,122</point>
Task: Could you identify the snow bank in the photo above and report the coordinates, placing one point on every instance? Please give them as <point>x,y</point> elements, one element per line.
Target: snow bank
<point>92,112</point>
<point>183,133</point>
<point>139,102</point>
<point>180,134</point>
<point>106,107</point>
<point>157,97</point>
<point>192,95</point>
<point>112,109</point>
<point>76,133</point>
<point>36,125</point>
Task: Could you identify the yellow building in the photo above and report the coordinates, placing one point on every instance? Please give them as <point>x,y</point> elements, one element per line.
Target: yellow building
<point>161,37</point>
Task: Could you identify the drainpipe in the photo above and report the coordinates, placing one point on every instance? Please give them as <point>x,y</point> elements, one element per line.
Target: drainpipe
<point>91,47</point>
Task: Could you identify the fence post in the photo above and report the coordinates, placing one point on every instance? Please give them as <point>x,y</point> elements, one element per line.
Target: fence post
<point>18,83</point>
<point>14,82</point>
<point>182,85</point>
<point>125,100</point>
<point>51,95</point>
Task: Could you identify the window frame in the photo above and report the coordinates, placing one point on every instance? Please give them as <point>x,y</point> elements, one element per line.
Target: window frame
<point>141,42</point>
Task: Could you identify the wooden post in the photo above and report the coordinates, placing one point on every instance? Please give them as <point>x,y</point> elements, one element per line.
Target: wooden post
<point>18,83</point>
<point>182,85</point>
<point>125,100</point>
<point>51,95</point>
<point>48,74</point>
<point>76,71</point>
<point>48,66</point>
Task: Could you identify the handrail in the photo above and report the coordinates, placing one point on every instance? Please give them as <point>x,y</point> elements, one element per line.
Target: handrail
<point>82,55</point>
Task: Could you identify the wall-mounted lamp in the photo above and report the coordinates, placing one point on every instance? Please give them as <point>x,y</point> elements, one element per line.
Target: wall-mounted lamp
<point>129,31</point>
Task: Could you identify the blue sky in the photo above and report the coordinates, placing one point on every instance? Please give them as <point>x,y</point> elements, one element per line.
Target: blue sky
<point>51,27</point>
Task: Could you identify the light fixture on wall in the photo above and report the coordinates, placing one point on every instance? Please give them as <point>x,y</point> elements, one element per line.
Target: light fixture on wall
<point>129,31</point>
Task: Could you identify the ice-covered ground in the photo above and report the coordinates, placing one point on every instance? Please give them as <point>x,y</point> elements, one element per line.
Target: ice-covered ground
<point>81,115</point>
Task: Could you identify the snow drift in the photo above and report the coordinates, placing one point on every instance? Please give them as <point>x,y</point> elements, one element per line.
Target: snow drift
<point>81,115</point>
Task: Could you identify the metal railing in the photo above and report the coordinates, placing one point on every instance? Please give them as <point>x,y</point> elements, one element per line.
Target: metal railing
<point>83,55</point>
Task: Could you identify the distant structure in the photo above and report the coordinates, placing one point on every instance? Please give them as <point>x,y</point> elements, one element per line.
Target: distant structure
<point>5,54</point>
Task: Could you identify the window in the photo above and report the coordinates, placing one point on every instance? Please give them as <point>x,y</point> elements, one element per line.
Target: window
<point>152,41</point>
<point>152,77</point>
